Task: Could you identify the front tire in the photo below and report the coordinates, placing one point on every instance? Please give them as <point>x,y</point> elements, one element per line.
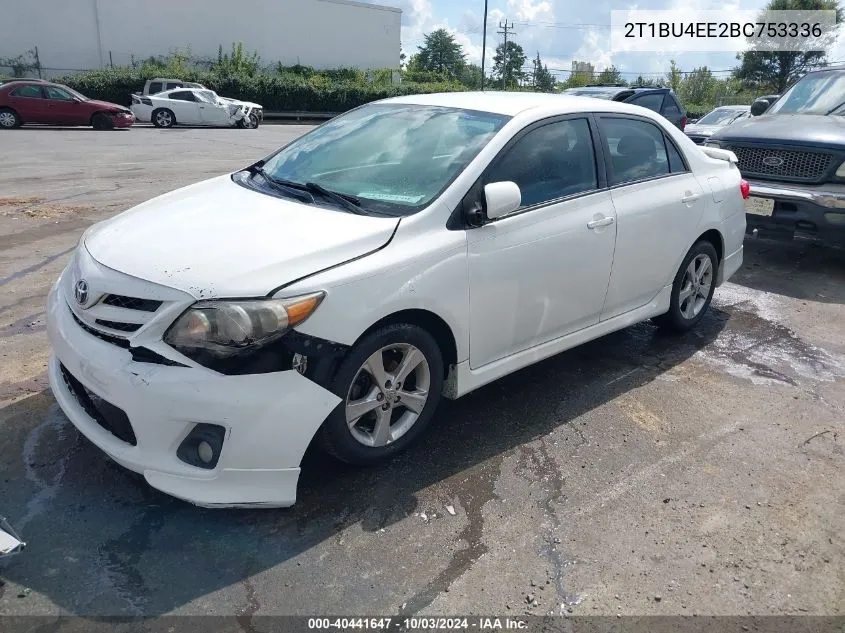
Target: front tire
<point>692,290</point>
<point>163,118</point>
<point>102,121</point>
<point>249,123</point>
<point>9,119</point>
<point>390,384</point>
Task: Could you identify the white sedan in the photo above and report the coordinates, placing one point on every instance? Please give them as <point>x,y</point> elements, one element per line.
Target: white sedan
<point>191,106</point>
<point>408,250</point>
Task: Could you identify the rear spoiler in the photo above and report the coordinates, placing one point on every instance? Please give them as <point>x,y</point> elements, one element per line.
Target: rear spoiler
<point>720,154</point>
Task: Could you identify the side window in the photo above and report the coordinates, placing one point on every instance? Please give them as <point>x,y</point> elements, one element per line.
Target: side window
<point>671,110</point>
<point>549,162</point>
<point>58,94</point>
<point>31,92</point>
<point>156,87</point>
<point>636,148</point>
<point>184,95</point>
<point>173,86</point>
<point>651,101</point>
<point>676,163</point>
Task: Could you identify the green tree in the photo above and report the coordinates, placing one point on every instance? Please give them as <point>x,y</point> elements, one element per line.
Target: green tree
<point>578,80</point>
<point>508,67</point>
<point>776,70</point>
<point>543,80</point>
<point>698,86</point>
<point>236,63</point>
<point>610,75</point>
<point>674,76</point>
<point>441,53</point>
<point>642,81</point>
<point>471,76</point>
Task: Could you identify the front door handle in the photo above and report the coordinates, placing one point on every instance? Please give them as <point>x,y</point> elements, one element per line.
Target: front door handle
<point>690,197</point>
<point>605,221</point>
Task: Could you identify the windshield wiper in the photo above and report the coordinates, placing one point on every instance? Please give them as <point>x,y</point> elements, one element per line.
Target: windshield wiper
<point>293,189</point>
<point>351,203</point>
<point>835,109</point>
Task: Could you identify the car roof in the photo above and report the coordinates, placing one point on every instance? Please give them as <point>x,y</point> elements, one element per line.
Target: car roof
<point>513,103</point>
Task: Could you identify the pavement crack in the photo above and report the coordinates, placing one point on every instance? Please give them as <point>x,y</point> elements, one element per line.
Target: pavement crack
<point>251,607</point>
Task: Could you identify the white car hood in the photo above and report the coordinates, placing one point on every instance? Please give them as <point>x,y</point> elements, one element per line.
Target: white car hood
<point>703,130</point>
<point>219,239</point>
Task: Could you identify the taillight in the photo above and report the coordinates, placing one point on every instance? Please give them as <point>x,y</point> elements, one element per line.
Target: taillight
<point>744,189</point>
<point>683,123</point>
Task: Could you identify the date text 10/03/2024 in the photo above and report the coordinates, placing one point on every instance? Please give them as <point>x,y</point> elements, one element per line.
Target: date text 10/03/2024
<point>417,624</point>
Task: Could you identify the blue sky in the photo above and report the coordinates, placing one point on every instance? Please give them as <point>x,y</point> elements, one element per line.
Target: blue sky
<point>561,30</point>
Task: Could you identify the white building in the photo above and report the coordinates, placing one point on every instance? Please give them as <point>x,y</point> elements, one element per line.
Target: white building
<point>86,34</point>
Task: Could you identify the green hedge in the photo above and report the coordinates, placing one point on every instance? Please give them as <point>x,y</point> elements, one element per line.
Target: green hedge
<point>277,93</point>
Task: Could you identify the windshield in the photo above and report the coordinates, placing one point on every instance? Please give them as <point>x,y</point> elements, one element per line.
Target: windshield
<point>817,93</point>
<point>720,117</point>
<point>206,95</point>
<point>392,157</point>
<point>592,92</point>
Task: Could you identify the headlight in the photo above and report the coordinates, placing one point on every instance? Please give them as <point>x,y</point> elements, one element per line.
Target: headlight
<point>226,328</point>
<point>840,172</point>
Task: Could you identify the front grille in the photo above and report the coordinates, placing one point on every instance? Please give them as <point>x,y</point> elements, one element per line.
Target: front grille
<point>116,325</point>
<point>793,164</point>
<point>108,338</point>
<point>113,419</point>
<point>132,303</point>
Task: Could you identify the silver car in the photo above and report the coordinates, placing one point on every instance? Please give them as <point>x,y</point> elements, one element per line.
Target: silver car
<point>715,120</point>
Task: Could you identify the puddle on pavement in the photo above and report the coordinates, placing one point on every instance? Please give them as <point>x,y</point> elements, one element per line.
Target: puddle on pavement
<point>756,345</point>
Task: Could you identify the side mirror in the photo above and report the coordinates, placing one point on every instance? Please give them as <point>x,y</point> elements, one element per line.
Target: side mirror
<point>691,121</point>
<point>759,107</point>
<point>501,198</point>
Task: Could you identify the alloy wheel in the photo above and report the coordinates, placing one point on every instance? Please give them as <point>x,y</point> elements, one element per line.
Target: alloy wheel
<point>388,394</point>
<point>7,119</point>
<point>695,288</point>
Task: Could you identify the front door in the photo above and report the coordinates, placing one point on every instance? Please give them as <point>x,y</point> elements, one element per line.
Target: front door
<point>63,108</point>
<point>542,272</point>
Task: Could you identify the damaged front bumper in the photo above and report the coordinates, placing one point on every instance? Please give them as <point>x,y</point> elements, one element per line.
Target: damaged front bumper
<point>142,413</point>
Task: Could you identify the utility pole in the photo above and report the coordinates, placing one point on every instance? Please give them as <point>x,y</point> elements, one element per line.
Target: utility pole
<point>484,45</point>
<point>505,30</point>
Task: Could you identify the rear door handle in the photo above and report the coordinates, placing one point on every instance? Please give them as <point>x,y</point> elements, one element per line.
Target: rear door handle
<point>690,197</point>
<point>606,221</point>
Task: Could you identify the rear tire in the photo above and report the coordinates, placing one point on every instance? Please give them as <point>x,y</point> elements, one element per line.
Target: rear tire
<point>102,121</point>
<point>163,118</point>
<point>9,119</point>
<point>376,419</point>
<point>692,289</point>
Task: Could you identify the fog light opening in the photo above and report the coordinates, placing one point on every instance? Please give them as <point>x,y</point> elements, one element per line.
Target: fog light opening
<point>202,446</point>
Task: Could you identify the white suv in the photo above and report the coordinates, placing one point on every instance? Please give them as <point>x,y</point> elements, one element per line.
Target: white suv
<point>412,248</point>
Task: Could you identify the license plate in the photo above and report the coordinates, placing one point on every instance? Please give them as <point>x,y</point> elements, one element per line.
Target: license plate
<point>759,206</point>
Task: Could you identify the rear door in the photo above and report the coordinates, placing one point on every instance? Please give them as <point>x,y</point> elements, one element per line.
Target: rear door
<point>63,109</point>
<point>185,106</point>
<point>658,203</point>
<point>29,102</point>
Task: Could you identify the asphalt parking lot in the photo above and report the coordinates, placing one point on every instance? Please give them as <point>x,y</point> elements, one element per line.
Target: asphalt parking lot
<point>638,474</point>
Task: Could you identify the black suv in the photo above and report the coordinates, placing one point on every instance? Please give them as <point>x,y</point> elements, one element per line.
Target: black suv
<point>662,100</point>
<point>792,153</point>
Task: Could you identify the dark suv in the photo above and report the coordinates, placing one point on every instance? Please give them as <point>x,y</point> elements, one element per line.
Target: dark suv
<point>662,100</point>
<point>792,153</point>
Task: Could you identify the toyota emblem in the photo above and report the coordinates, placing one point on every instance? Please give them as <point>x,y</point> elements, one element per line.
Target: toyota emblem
<point>773,161</point>
<point>80,292</point>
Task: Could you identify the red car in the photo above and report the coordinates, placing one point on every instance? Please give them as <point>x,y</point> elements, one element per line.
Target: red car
<point>44,102</point>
